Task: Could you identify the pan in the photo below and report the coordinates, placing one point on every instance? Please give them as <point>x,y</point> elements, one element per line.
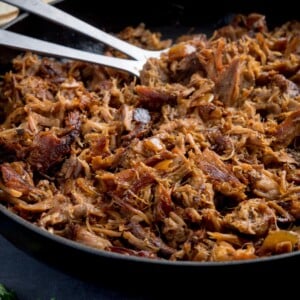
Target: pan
<point>172,19</point>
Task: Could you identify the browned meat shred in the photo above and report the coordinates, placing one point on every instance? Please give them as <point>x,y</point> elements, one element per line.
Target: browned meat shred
<point>196,160</point>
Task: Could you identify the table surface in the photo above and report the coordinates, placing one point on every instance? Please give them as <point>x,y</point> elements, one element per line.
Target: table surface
<point>32,279</point>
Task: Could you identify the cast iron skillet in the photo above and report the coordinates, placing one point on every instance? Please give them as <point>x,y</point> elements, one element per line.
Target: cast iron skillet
<point>172,19</point>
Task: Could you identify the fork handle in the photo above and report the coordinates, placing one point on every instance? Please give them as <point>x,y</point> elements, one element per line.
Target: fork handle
<point>22,42</point>
<point>56,15</point>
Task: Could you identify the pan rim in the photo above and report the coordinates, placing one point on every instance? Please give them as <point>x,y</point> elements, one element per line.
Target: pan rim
<point>117,256</point>
<point>121,257</point>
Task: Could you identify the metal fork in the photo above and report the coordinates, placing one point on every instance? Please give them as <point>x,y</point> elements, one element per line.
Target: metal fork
<point>52,13</point>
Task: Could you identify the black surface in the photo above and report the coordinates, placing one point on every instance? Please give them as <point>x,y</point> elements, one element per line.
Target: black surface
<point>31,279</point>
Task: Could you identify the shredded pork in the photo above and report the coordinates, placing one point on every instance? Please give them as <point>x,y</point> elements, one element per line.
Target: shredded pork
<point>197,160</point>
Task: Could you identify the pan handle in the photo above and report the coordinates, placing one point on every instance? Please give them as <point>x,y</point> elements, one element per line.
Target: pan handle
<point>22,42</point>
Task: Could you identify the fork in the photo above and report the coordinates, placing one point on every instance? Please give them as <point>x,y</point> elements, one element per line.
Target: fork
<point>52,13</point>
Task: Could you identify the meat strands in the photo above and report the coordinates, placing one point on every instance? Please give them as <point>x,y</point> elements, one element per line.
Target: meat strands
<point>196,161</point>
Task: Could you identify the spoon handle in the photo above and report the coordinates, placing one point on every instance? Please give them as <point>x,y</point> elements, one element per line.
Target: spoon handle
<point>19,41</point>
<point>56,15</point>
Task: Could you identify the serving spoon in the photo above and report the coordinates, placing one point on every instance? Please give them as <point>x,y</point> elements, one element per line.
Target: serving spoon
<point>52,13</point>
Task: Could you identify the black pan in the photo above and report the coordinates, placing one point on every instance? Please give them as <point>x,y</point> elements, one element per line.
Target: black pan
<point>172,19</point>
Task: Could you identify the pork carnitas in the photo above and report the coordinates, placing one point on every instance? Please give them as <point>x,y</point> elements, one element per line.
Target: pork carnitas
<point>197,160</point>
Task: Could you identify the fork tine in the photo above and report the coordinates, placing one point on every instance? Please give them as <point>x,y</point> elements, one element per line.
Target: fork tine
<point>56,15</point>
<point>18,41</point>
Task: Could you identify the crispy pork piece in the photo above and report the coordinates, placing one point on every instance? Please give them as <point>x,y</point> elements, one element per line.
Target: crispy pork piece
<point>252,217</point>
